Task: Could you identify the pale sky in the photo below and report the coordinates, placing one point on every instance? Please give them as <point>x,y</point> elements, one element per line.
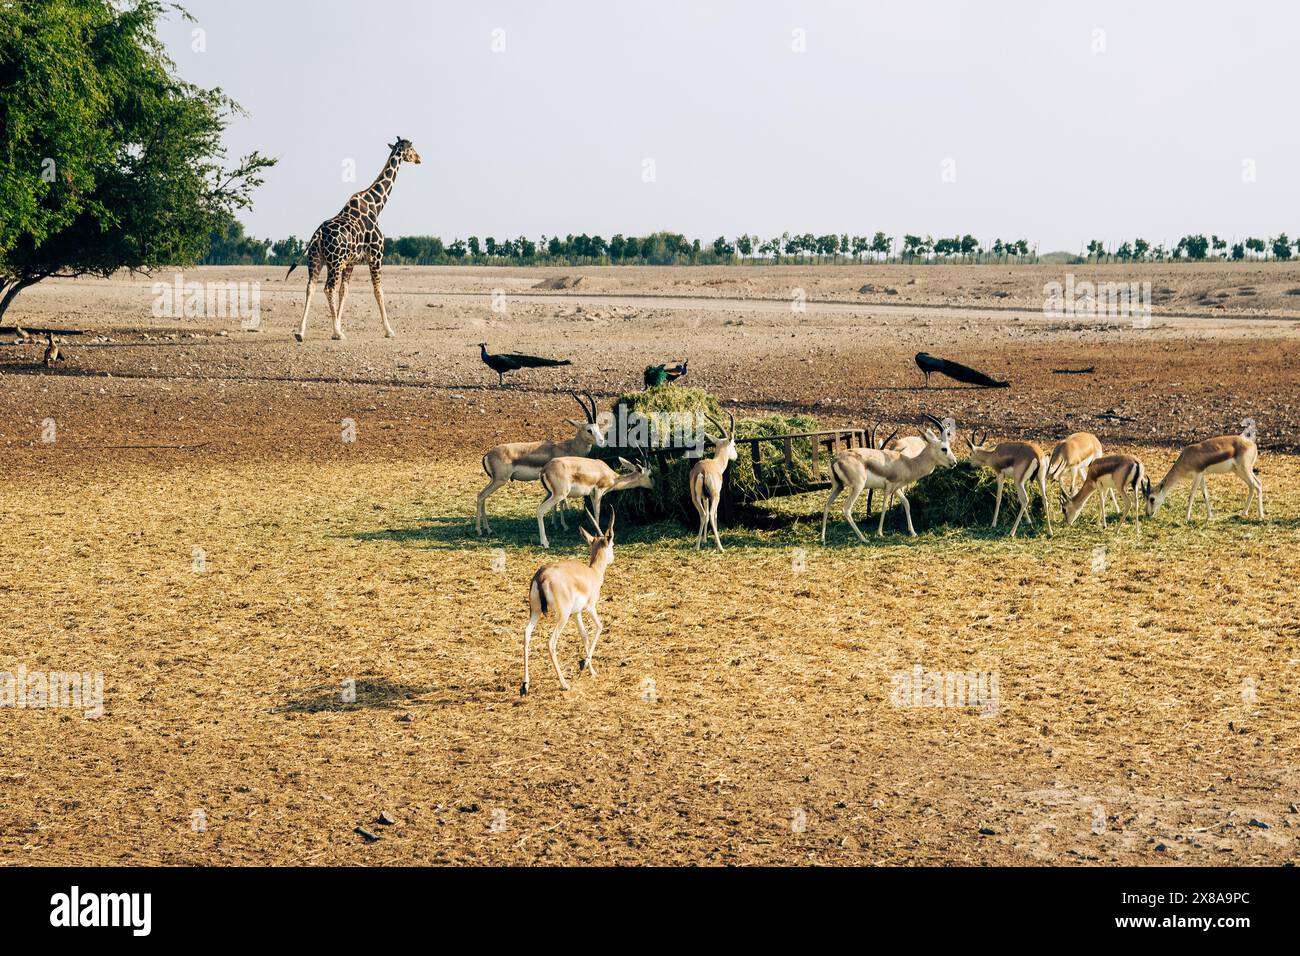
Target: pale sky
<point>1050,139</point>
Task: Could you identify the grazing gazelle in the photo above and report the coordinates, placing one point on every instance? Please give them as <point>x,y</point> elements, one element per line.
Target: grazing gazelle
<point>568,588</point>
<point>1122,473</point>
<point>1071,458</point>
<point>523,461</point>
<point>891,471</point>
<point>1020,461</point>
<point>1214,456</point>
<point>705,482</point>
<point>570,477</point>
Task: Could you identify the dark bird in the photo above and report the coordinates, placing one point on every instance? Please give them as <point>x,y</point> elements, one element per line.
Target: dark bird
<point>510,363</point>
<point>658,374</point>
<point>928,363</point>
<point>52,354</point>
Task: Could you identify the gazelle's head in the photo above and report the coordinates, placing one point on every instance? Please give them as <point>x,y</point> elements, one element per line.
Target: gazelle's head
<point>404,149</point>
<point>602,545</point>
<point>591,430</point>
<point>939,446</point>
<point>724,447</point>
<point>981,449</point>
<point>1070,509</point>
<point>1154,497</point>
<point>635,474</point>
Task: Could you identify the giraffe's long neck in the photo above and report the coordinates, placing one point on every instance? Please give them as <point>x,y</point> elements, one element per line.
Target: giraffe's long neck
<point>378,192</point>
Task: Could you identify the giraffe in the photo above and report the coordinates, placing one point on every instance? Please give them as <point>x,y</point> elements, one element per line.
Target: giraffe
<point>353,236</point>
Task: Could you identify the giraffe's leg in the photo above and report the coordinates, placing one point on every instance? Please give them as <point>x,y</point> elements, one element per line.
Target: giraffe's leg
<point>375,281</point>
<point>331,284</point>
<point>312,273</point>
<point>344,280</point>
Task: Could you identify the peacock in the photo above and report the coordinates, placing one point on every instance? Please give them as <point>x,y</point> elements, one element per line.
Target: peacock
<point>928,363</point>
<point>659,374</point>
<point>509,363</point>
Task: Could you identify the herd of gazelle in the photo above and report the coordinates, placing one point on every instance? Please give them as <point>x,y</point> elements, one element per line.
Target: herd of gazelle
<point>571,588</point>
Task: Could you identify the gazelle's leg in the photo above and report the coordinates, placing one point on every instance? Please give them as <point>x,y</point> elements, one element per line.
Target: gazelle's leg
<point>480,516</point>
<point>544,507</point>
<point>1256,487</point>
<point>313,272</point>
<point>555,643</point>
<point>1024,507</point>
<point>1191,497</point>
<point>582,634</point>
<point>528,636</point>
<point>851,496</point>
<point>1101,506</point>
<point>1042,489</point>
<point>595,636</point>
<point>562,507</point>
<point>376,265</point>
<point>1205,493</point>
<point>997,505</point>
<point>714,497</point>
<point>884,509</point>
<point>697,499</point>
<point>907,510</point>
<point>836,488</point>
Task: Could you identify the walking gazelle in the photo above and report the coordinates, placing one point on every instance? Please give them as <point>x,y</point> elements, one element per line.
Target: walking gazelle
<point>569,588</point>
<point>1214,456</point>
<point>1021,461</point>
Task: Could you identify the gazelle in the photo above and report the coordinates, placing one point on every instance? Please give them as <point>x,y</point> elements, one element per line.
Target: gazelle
<point>1122,473</point>
<point>1071,458</point>
<point>569,477</point>
<point>1020,461</point>
<point>1214,456</point>
<point>568,588</point>
<point>523,461</point>
<point>705,482</point>
<point>887,470</point>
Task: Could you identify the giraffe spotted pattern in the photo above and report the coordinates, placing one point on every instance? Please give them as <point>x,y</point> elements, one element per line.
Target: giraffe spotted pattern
<point>353,236</point>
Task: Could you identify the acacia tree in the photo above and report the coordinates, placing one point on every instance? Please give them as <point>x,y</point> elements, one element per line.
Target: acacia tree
<point>111,160</point>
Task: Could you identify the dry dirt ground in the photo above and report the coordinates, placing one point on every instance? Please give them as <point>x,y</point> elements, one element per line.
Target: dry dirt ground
<point>182,514</point>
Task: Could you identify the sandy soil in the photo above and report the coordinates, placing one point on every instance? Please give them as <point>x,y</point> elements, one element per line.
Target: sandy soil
<point>742,713</point>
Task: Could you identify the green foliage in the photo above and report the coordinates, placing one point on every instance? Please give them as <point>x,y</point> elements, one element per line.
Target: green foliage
<point>962,496</point>
<point>228,245</point>
<point>110,160</point>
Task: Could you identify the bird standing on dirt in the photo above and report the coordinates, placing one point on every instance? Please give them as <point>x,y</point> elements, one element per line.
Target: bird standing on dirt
<point>928,363</point>
<point>659,374</point>
<point>52,354</point>
<point>509,363</point>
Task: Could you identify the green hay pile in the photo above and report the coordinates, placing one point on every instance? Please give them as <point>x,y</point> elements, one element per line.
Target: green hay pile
<point>670,498</point>
<point>963,497</point>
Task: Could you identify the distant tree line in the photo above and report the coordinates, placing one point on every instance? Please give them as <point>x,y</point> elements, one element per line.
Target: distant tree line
<point>1196,248</point>
<point>230,245</point>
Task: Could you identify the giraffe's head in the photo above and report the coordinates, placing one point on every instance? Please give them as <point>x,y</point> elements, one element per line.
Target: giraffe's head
<point>404,149</point>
